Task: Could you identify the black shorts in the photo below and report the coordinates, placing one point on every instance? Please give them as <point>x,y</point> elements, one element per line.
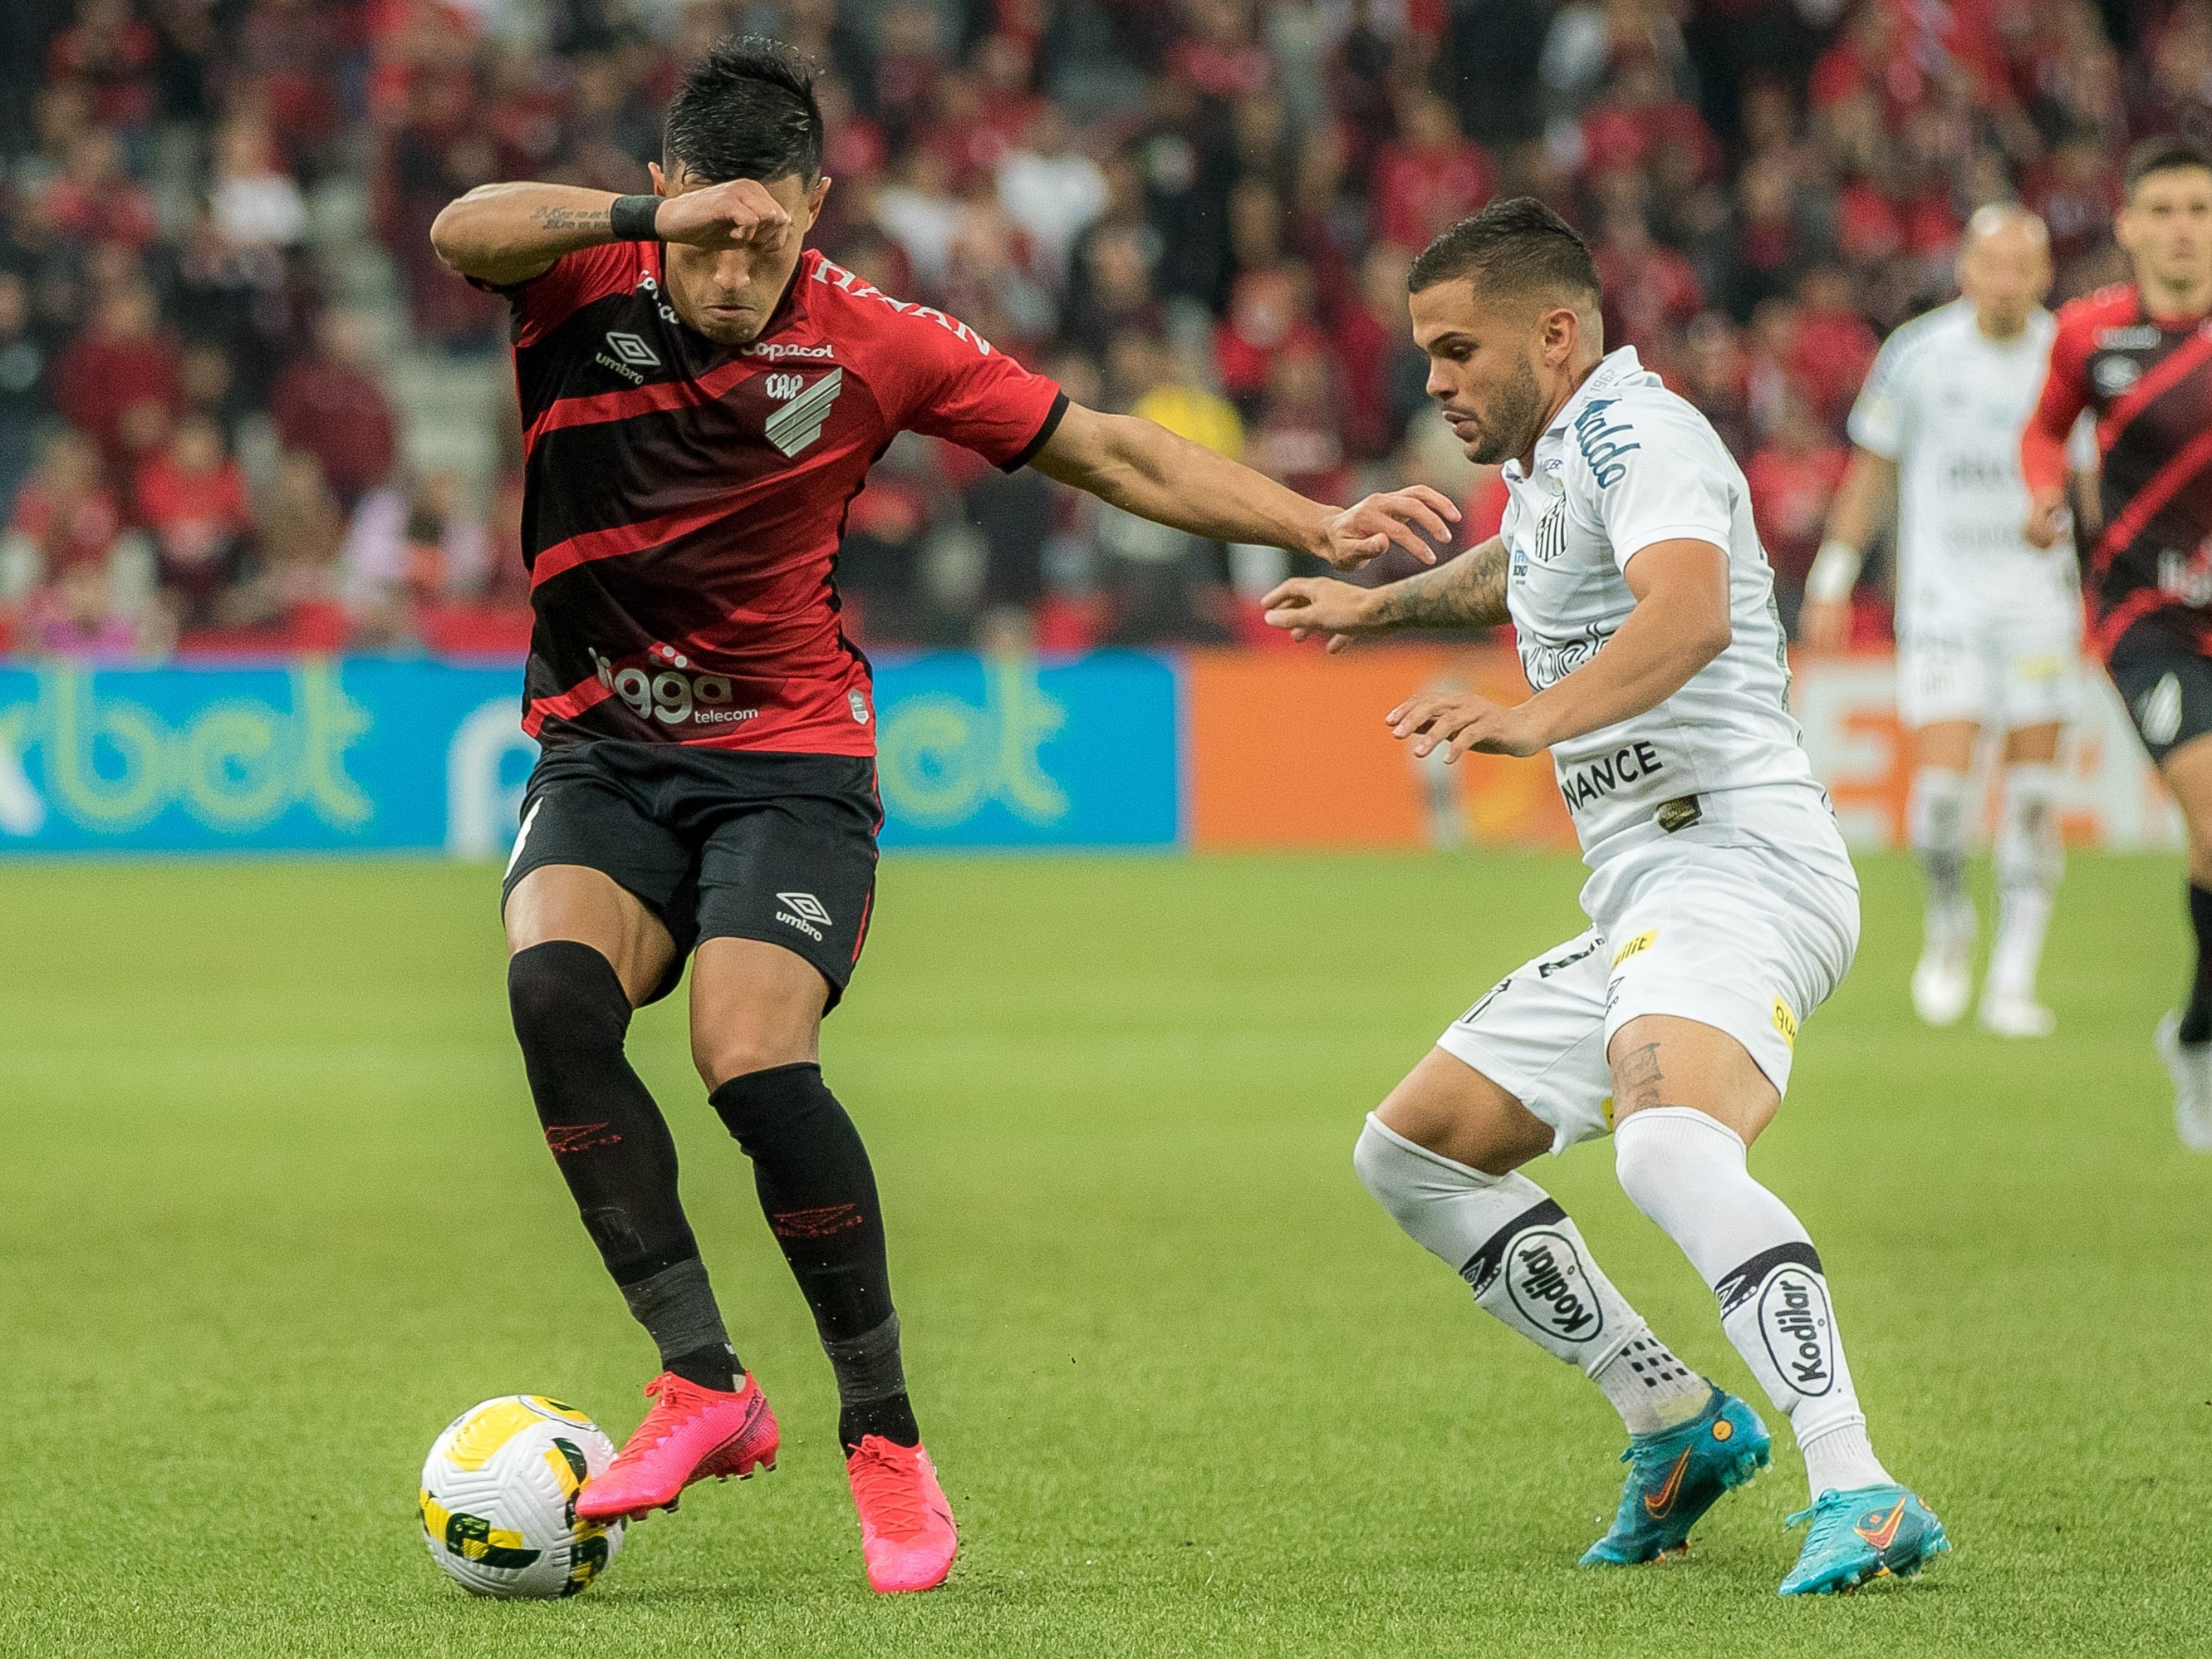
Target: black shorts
<point>2166,684</point>
<point>717,843</point>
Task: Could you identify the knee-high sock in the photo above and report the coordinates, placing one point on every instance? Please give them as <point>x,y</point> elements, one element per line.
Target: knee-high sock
<point>1687,1172</point>
<point>1936,825</point>
<point>614,1151</point>
<point>2029,860</point>
<point>2196,1018</point>
<point>818,1192</point>
<point>1529,1267</point>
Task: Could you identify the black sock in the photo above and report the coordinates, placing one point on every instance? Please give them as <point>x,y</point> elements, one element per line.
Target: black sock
<point>2196,1019</point>
<point>614,1150</point>
<point>819,1195</point>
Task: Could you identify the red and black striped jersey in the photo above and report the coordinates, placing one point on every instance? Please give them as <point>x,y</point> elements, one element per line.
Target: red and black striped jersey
<point>2149,380</point>
<point>684,501</point>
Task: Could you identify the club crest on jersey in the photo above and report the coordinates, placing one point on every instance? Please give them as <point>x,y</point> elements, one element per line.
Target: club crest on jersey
<point>798,422</point>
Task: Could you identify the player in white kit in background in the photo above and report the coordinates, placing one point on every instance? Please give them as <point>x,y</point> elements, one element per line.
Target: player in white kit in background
<point>1724,908</point>
<point>1989,627</point>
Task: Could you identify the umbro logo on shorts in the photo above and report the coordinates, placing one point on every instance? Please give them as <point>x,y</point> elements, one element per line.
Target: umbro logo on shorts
<point>807,905</point>
<point>810,912</point>
<point>633,350</point>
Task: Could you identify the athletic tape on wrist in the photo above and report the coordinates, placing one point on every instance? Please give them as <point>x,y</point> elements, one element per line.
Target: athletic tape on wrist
<point>631,218</point>
<point>1835,572</point>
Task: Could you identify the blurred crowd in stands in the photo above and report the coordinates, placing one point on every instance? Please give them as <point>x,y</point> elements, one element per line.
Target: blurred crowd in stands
<point>1201,210</point>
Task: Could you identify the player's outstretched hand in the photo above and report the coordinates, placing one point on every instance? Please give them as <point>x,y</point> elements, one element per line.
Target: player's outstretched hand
<point>1458,721</point>
<point>1395,517</point>
<point>2046,518</point>
<point>723,215</point>
<point>1825,624</point>
<point>1308,606</point>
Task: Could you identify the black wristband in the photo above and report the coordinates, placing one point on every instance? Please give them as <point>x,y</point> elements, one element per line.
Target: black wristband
<point>631,218</point>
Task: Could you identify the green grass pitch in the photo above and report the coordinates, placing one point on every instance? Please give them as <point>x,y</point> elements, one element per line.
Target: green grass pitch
<point>273,1208</point>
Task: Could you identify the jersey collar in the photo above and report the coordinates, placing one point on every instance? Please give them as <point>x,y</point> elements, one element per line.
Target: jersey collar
<point>1615,370</point>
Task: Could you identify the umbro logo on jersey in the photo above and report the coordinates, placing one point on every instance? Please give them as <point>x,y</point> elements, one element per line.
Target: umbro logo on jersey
<point>810,911</point>
<point>2114,375</point>
<point>630,357</point>
<point>799,422</point>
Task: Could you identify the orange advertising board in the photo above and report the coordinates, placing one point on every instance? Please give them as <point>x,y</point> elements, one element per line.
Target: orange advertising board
<point>1288,749</point>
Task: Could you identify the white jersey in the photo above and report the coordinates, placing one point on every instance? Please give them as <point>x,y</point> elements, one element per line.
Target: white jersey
<point>1627,463</point>
<point>1948,405</point>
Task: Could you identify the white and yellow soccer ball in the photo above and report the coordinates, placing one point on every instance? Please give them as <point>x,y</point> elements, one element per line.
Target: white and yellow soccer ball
<point>499,1498</point>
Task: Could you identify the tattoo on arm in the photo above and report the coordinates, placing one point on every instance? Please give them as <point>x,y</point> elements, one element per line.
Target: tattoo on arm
<point>1467,593</point>
<point>568,218</point>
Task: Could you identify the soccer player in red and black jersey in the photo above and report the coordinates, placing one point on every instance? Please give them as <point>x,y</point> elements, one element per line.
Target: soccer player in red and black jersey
<point>700,402</point>
<point>2139,355</point>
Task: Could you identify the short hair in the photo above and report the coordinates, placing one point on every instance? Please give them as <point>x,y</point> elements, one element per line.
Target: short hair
<point>1515,248</point>
<point>746,111</point>
<point>2168,154</point>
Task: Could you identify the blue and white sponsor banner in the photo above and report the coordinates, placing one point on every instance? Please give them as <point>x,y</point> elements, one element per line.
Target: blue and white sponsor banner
<point>1004,751</point>
<point>319,754</point>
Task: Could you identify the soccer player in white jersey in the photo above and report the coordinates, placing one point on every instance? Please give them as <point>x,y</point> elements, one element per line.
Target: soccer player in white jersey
<point>1722,904</point>
<point>1989,627</point>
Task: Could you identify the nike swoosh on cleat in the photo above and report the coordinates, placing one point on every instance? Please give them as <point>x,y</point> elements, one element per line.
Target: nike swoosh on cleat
<point>1885,1534</point>
<point>1656,1505</point>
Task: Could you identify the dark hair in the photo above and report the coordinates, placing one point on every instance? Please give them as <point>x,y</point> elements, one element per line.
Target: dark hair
<point>2168,154</point>
<point>746,111</point>
<point>1515,248</point>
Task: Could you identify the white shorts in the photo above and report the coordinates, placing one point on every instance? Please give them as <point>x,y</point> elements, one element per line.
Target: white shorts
<point>2003,676</point>
<point>1738,937</point>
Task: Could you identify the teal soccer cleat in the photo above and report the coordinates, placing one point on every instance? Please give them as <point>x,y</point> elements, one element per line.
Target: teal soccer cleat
<point>1675,1476</point>
<point>1871,1532</point>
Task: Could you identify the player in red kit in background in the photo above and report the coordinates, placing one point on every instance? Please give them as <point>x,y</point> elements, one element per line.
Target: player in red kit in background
<point>2139,355</point>
<point>701,403</point>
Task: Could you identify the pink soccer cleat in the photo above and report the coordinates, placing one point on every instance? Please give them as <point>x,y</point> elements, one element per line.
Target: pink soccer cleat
<point>690,1433</point>
<point>907,1536</point>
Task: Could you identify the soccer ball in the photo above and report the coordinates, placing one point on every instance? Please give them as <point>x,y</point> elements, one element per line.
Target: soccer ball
<point>499,1498</point>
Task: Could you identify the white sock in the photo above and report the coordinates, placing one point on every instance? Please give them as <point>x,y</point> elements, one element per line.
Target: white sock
<point>1529,1267</point>
<point>1935,824</point>
<point>2030,860</point>
<point>1687,1172</point>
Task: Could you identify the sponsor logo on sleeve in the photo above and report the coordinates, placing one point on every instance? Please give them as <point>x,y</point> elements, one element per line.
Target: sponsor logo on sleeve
<point>1786,1023</point>
<point>1603,442</point>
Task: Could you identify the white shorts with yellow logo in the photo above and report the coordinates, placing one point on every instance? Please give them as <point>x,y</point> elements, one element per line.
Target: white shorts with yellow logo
<point>2001,676</point>
<point>1739,937</point>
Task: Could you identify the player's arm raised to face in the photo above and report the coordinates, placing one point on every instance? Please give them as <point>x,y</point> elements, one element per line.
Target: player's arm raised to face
<point>1143,468</point>
<point>1681,623</point>
<point>511,233</point>
<point>1468,591</point>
